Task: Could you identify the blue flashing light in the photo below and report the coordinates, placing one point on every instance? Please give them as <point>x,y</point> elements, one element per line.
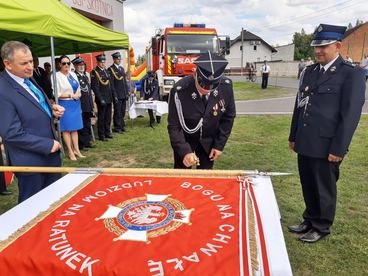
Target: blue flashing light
<point>181,25</point>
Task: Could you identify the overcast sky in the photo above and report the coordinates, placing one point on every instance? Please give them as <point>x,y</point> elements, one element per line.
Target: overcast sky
<point>274,21</point>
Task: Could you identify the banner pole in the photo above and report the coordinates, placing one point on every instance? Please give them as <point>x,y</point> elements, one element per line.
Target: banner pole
<point>131,171</point>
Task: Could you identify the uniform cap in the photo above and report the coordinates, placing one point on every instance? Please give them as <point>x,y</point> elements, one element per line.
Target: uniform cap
<point>101,58</point>
<point>210,68</point>
<point>328,34</point>
<point>116,55</point>
<point>78,60</point>
<point>151,74</point>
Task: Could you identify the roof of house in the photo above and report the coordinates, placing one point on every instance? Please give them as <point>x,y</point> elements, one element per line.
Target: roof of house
<point>352,30</point>
<point>248,36</point>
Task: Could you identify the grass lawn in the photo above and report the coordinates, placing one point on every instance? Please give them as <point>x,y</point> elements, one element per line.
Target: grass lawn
<point>260,142</point>
<point>244,91</point>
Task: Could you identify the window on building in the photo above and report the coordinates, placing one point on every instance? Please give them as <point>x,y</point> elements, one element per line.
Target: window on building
<point>255,47</point>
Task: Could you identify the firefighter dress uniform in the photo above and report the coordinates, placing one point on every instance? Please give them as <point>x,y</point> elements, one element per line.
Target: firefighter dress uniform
<point>121,93</point>
<point>101,86</point>
<point>326,113</point>
<point>199,123</point>
<point>84,134</point>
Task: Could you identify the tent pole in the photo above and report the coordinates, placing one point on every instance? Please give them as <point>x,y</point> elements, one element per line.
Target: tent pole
<point>55,88</point>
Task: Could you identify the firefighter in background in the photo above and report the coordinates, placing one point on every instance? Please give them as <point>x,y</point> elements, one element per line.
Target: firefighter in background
<point>121,92</point>
<point>101,86</point>
<point>201,114</point>
<point>84,134</point>
<point>150,92</point>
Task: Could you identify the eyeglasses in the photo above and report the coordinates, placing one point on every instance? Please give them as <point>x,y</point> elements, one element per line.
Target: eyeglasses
<point>65,63</point>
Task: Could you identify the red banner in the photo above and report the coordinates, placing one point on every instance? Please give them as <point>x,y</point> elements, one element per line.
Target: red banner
<point>143,226</point>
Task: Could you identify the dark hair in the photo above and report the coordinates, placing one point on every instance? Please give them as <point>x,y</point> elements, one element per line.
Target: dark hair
<point>61,58</point>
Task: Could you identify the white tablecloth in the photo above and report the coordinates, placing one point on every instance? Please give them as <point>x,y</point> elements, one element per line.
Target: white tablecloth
<point>139,108</point>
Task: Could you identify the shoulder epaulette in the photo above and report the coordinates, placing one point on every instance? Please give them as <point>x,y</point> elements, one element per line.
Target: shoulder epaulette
<point>348,63</point>
<point>226,80</point>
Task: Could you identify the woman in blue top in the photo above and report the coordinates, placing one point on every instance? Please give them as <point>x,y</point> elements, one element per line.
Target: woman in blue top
<point>68,93</point>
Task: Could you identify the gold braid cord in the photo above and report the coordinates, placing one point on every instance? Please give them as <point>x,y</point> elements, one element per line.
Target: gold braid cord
<point>252,235</point>
<point>42,215</point>
<point>115,76</point>
<point>106,82</point>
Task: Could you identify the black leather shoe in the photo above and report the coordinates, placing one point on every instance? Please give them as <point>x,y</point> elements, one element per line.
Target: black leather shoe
<point>109,136</point>
<point>5,193</point>
<point>103,139</point>
<point>91,146</point>
<point>304,227</point>
<point>313,236</point>
<point>123,129</point>
<point>116,130</point>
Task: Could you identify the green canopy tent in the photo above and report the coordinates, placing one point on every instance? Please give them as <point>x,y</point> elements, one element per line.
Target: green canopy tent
<point>35,21</point>
<point>50,28</point>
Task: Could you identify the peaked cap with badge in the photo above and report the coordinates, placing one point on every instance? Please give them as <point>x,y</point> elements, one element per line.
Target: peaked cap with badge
<point>78,60</point>
<point>327,34</point>
<point>116,55</point>
<point>101,58</point>
<point>210,68</point>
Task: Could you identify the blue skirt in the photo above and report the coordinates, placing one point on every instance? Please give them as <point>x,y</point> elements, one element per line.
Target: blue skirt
<point>72,117</point>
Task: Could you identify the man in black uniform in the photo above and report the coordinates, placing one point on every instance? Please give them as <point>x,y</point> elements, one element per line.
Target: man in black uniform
<point>326,114</point>
<point>101,86</point>
<point>121,92</point>
<point>201,114</point>
<point>84,134</point>
<point>42,78</point>
<point>150,92</point>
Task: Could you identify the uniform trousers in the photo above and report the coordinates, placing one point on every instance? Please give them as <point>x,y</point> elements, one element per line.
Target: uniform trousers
<point>152,118</point>
<point>104,119</point>
<point>264,80</point>
<point>204,161</point>
<point>30,184</point>
<point>318,178</point>
<point>119,114</point>
<point>85,134</point>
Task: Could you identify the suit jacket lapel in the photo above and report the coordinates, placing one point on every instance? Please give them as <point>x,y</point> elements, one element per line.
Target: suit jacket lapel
<point>24,92</point>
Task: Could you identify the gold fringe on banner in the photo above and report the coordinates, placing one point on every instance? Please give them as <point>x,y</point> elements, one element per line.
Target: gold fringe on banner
<point>42,215</point>
<point>252,235</point>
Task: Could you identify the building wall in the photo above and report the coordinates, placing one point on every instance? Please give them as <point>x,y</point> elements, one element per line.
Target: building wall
<point>108,13</point>
<point>249,55</point>
<point>284,53</point>
<point>356,44</point>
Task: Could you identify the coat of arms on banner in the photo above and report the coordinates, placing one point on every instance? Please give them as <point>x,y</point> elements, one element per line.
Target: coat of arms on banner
<point>141,218</point>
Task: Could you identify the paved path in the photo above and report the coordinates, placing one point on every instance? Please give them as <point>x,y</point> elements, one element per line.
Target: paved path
<point>282,105</point>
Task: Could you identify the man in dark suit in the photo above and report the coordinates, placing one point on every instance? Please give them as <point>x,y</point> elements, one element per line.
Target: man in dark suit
<point>150,92</point>
<point>201,114</point>
<point>121,92</point>
<point>27,125</point>
<point>101,86</point>
<point>326,114</point>
<point>42,78</point>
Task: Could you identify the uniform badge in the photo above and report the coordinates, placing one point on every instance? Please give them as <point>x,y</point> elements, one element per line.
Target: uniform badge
<point>222,104</point>
<point>215,93</point>
<point>194,95</point>
<point>215,110</point>
<point>227,81</point>
<point>178,88</point>
<point>306,88</point>
<point>333,69</point>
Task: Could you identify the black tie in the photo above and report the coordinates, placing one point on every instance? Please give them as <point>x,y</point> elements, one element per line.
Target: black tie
<point>321,72</point>
<point>204,100</point>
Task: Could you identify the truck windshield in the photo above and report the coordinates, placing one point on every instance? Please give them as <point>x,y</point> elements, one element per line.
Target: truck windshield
<point>191,44</point>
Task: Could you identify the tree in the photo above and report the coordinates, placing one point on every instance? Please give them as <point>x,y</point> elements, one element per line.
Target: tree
<point>358,22</point>
<point>140,59</point>
<point>350,26</point>
<point>302,42</point>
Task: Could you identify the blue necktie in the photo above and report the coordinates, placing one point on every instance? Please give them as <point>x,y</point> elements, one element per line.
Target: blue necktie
<point>39,96</point>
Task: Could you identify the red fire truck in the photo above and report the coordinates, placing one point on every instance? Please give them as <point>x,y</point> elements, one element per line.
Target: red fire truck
<point>171,52</point>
